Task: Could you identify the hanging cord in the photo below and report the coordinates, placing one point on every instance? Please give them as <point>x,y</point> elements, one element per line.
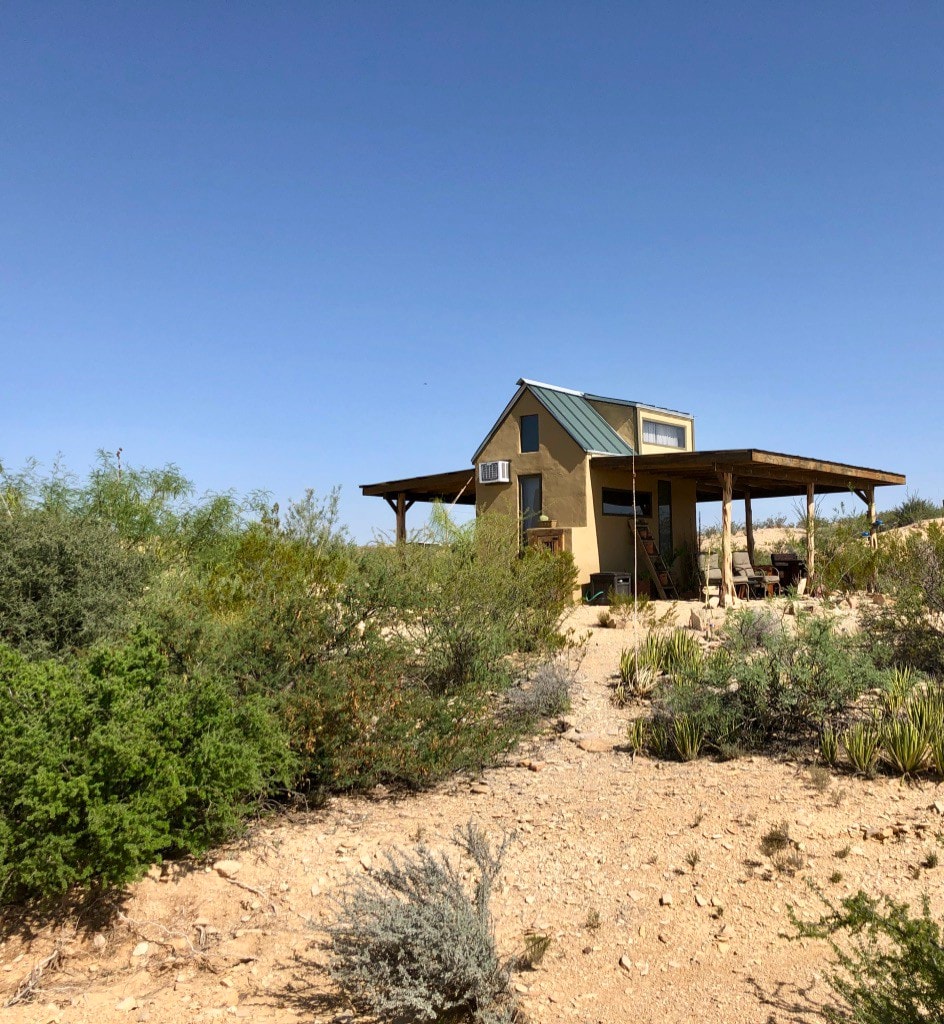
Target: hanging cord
<point>635,574</point>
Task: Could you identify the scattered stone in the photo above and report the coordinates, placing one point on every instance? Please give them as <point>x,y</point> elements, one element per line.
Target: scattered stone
<point>366,862</point>
<point>695,621</point>
<point>643,966</point>
<point>938,806</point>
<point>522,990</point>
<point>141,949</point>
<point>127,1005</point>
<point>665,900</point>
<point>99,941</point>
<point>625,963</point>
<point>701,900</point>
<point>481,788</point>
<point>227,868</point>
<point>595,744</point>
<point>635,895</point>
<point>715,902</point>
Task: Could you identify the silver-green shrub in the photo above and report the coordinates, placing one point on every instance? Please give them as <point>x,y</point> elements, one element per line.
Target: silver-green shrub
<point>412,943</point>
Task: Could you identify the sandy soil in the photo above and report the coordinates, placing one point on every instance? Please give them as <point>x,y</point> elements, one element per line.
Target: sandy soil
<point>693,918</point>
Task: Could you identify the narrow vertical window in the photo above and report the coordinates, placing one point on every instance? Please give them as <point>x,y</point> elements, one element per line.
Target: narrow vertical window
<point>530,442</point>
<point>665,520</point>
<point>529,496</point>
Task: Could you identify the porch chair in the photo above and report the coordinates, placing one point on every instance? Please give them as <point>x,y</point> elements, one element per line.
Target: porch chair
<point>764,581</point>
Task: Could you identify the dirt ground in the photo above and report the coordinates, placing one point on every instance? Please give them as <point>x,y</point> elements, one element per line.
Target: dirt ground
<point>693,921</point>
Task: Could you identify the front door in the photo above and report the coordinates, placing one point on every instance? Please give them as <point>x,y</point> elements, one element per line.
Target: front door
<point>529,500</point>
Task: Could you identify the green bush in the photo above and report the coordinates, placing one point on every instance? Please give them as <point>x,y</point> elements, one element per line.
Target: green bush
<point>891,969</point>
<point>66,582</point>
<point>108,766</point>
<point>411,943</point>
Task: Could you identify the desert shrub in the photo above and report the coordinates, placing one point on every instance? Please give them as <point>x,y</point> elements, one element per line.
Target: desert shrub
<point>909,631</point>
<point>746,630</point>
<point>107,766</point>
<point>783,688</point>
<point>904,746</point>
<point>412,943</point>
<point>66,581</point>
<point>546,694</point>
<point>914,509</point>
<point>891,968</point>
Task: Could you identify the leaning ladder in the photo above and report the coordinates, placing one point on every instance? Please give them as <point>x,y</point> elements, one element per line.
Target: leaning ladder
<point>658,570</point>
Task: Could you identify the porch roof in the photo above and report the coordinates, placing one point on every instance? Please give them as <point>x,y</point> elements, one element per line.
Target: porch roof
<point>762,474</point>
<point>454,487</point>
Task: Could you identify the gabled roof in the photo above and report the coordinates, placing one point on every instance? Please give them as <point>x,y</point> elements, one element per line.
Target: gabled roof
<point>575,415</point>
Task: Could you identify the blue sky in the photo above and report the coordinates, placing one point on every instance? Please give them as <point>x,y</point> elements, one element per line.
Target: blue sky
<point>315,244</point>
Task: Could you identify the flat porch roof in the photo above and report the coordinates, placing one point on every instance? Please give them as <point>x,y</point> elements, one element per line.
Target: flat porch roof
<point>756,473</point>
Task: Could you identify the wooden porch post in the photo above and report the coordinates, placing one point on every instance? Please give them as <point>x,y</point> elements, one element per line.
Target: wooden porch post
<point>727,580</point>
<point>873,532</point>
<point>401,506</point>
<point>810,533</point>
<point>749,524</point>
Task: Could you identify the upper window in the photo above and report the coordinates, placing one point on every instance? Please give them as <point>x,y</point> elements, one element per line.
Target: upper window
<point>530,441</point>
<point>620,503</point>
<point>669,435</point>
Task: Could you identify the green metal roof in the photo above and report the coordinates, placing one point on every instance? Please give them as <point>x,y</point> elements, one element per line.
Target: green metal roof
<point>578,417</point>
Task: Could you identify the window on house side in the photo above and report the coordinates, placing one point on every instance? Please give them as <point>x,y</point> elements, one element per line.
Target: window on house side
<point>530,500</point>
<point>530,441</point>
<point>620,503</point>
<point>669,435</point>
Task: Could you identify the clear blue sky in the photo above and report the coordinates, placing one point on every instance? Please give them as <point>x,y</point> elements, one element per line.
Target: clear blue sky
<point>315,244</point>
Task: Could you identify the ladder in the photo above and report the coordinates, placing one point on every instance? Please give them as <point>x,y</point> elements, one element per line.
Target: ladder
<point>658,570</point>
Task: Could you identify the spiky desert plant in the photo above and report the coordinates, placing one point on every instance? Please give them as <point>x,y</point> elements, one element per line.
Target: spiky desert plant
<point>829,744</point>
<point>861,743</point>
<point>901,681</point>
<point>904,746</point>
<point>687,736</point>
<point>682,654</point>
<point>637,674</point>
<point>925,709</point>
<point>637,734</point>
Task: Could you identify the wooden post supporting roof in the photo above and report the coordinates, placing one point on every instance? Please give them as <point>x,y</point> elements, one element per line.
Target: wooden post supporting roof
<point>873,529</point>
<point>726,596</point>
<point>810,533</point>
<point>401,506</point>
<point>749,524</point>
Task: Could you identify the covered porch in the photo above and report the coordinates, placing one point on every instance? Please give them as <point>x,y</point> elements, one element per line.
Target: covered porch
<point>456,487</point>
<point>747,474</point>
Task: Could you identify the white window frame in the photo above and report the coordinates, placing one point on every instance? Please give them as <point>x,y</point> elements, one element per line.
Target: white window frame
<point>654,428</point>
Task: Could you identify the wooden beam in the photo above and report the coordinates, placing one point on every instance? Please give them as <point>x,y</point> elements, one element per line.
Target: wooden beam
<point>810,533</point>
<point>749,524</point>
<point>726,596</point>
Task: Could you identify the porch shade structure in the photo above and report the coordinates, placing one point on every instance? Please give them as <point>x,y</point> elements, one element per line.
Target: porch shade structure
<point>456,487</point>
<point>748,473</point>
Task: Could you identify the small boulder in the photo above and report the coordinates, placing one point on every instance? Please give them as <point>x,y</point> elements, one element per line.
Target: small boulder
<point>227,868</point>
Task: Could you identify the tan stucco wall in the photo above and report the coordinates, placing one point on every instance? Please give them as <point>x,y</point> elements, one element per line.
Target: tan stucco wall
<point>560,461</point>
<point>612,535</point>
<point>664,417</point>
<point>622,418</point>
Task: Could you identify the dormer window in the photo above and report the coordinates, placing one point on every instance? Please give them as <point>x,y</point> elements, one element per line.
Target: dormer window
<point>669,435</point>
<point>530,440</point>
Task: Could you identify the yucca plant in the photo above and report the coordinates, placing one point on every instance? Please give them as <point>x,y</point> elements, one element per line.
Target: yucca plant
<point>687,736</point>
<point>637,675</point>
<point>682,654</point>
<point>861,743</point>
<point>659,742</point>
<point>829,744</point>
<point>637,734</point>
<point>901,681</point>
<point>936,747</point>
<point>904,746</point>
<point>925,709</point>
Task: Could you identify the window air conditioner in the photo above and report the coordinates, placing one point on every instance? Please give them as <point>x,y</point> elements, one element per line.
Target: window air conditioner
<point>494,472</point>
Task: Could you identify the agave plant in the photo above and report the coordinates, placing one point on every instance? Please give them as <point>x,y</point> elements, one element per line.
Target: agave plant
<point>904,746</point>
<point>925,709</point>
<point>936,745</point>
<point>901,681</point>
<point>861,743</point>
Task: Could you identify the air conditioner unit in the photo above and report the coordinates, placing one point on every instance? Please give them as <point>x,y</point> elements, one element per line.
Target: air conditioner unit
<point>494,472</point>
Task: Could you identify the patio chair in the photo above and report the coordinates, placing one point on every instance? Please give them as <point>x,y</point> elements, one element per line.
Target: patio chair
<point>790,567</point>
<point>764,580</point>
<point>746,581</point>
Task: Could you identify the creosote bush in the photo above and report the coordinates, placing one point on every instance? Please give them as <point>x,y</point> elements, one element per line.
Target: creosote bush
<point>412,942</point>
<point>890,965</point>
